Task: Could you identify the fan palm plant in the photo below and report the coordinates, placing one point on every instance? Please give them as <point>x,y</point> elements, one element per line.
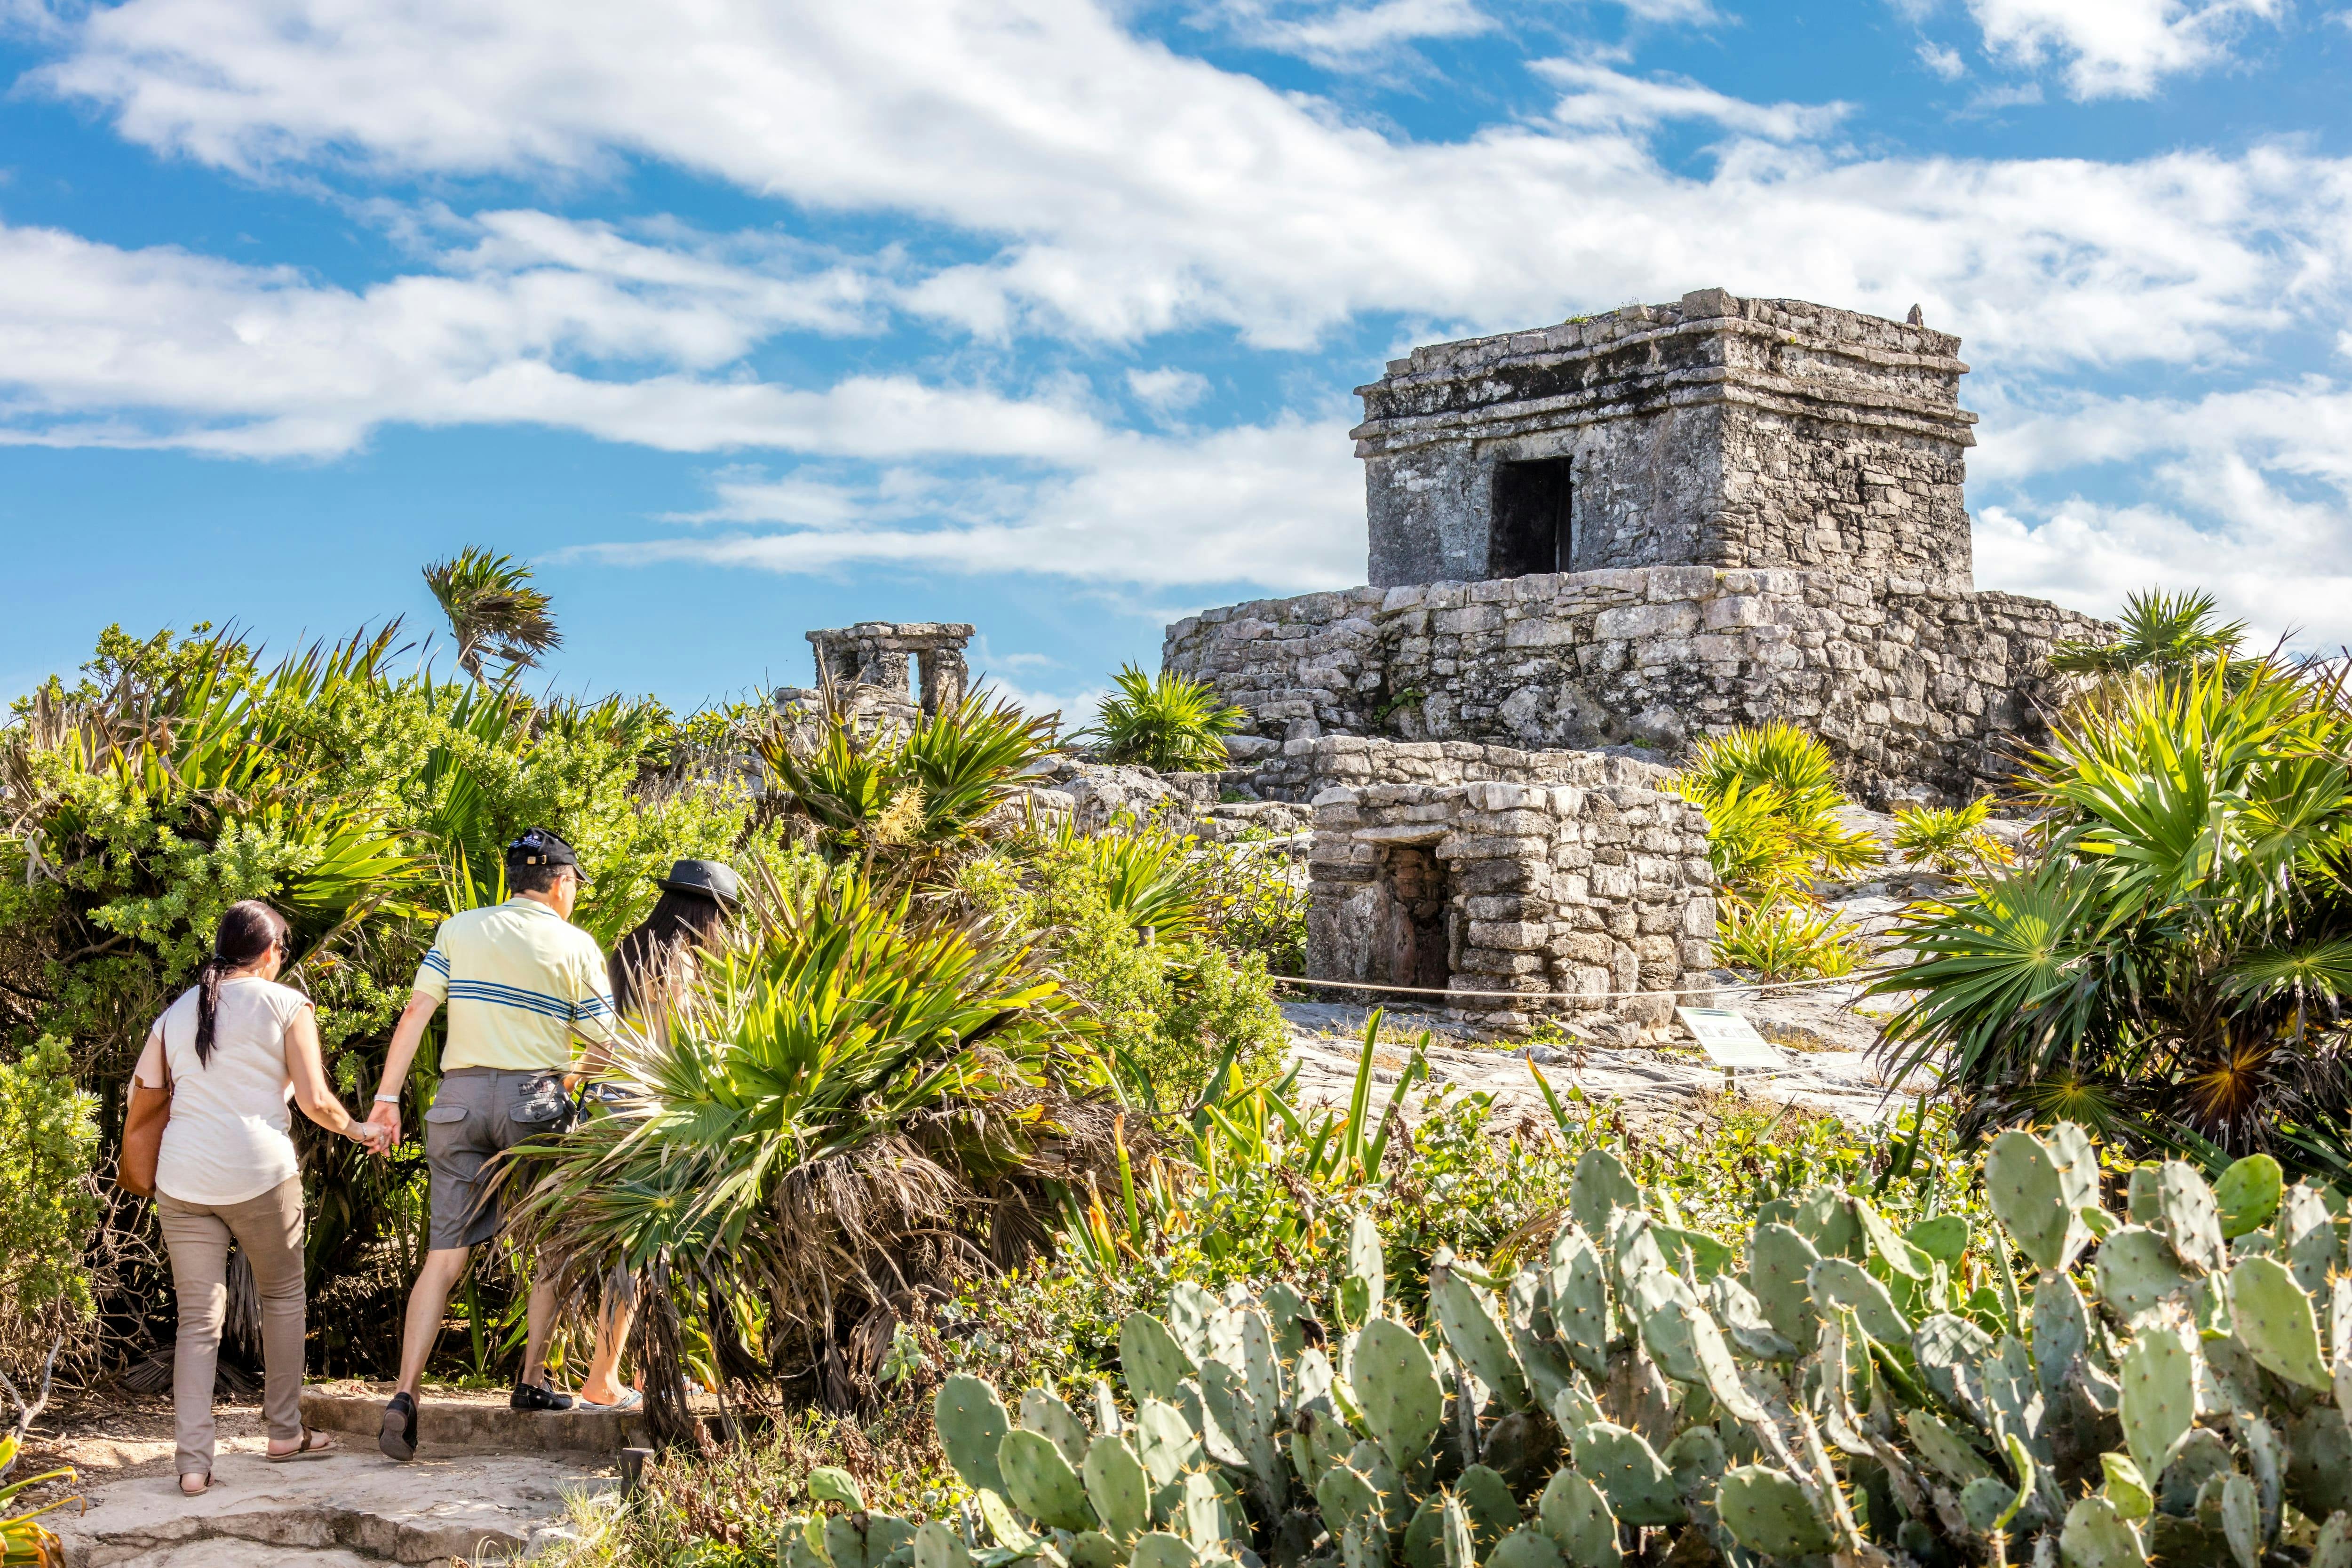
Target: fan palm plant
<point>2175,969</point>
<point>847,1106</point>
<point>906,803</point>
<point>1171,723</point>
<point>493,612</point>
<point>2159,631</point>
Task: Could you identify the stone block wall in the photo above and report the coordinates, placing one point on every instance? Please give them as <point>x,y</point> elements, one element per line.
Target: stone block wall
<point>1497,886</point>
<point>1713,430</point>
<point>1922,691</point>
<point>1300,770</point>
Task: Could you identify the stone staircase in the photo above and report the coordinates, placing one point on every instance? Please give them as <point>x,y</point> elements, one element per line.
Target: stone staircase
<point>487,1484</point>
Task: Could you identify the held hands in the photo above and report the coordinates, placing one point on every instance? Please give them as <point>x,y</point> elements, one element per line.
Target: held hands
<point>381,1130</point>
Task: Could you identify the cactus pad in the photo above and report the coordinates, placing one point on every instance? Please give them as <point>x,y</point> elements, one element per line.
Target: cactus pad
<point>2247,1194</point>
<point>1599,1187</point>
<point>1150,1359</point>
<point>937,1545</point>
<point>2126,1486</point>
<point>1366,1265</point>
<point>2241,1520</point>
<point>1951,1353</point>
<point>2275,1323</point>
<point>2159,1395</point>
<point>1345,1497</point>
<point>1453,1534</point>
<point>1396,1381</point>
<point>2334,1548</point>
<point>1208,1522</point>
<point>2191,1218</point>
<point>2022,1183</point>
<point>1579,1299</point>
<point>1040,1482</point>
<point>1476,1339</point>
<point>970,1425</point>
<point>1118,1488</point>
<point>829,1483</point>
<point>1780,1263</point>
<point>1164,1441</point>
<point>1949,1453</point>
<point>1158,1549</point>
<point>1042,1411</point>
<point>1526,1547</point>
<point>2319,1462</point>
<point>2096,1536</point>
<point>1486,1497</point>
<point>1944,1238</point>
<point>1840,1283</point>
<point>1639,1486</point>
<point>1767,1512</point>
<point>2136,1270</point>
<point>1577,1518</point>
<point>2306,1238</point>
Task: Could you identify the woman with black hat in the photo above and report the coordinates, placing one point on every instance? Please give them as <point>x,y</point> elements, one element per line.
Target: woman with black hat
<point>650,968</point>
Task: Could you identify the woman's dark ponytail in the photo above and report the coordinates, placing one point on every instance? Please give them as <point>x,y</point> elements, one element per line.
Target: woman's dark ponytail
<point>247,931</point>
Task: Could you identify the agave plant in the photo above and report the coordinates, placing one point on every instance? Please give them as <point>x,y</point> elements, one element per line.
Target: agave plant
<point>1171,723</point>
<point>2176,968</point>
<point>848,1106</point>
<point>493,612</point>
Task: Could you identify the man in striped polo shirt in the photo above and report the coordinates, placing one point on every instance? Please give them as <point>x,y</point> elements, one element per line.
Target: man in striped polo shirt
<point>521,983</point>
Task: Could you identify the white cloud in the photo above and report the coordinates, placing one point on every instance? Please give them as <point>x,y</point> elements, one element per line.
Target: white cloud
<point>1599,97</point>
<point>2117,48</point>
<point>1168,390</point>
<point>102,346</point>
<point>1119,190</point>
<point>1279,505</point>
<point>1341,36</point>
<point>1943,60</point>
<point>2250,497</point>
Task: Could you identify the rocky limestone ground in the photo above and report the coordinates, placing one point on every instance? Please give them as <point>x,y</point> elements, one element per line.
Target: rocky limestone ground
<point>453,1504</point>
<point>1823,1037</point>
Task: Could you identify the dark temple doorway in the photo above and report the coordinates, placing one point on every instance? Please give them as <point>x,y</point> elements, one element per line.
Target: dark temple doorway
<point>1409,940</point>
<point>1531,529</point>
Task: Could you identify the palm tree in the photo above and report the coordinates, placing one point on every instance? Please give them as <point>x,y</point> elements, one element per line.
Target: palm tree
<point>493,612</point>
<point>2169,632</point>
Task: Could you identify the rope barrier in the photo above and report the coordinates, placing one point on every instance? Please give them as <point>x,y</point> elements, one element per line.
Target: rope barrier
<point>1755,985</point>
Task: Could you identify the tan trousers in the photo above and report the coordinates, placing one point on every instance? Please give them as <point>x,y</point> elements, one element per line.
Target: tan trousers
<point>269,1230</point>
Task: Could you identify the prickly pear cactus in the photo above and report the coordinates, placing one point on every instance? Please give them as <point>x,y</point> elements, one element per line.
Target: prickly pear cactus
<point>2073,1388</point>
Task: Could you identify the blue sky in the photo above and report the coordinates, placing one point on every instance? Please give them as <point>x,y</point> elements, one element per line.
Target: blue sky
<point>738,318</point>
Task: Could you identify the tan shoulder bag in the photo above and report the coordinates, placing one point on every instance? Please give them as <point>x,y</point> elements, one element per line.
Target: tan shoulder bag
<point>142,1132</point>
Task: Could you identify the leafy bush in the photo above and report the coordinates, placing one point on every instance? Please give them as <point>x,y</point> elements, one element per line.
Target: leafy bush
<point>845,1105</point>
<point>1772,800</point>
<point>1783,939</point>
<point>1128,913</point>
<point>48,1206</point>
<point>1947,842</point>
<point>1252,903</point>
<point>1170,723</point>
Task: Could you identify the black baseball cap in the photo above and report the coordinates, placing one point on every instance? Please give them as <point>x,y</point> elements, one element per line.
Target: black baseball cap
<point>712,879</point>
<point>538,846</point>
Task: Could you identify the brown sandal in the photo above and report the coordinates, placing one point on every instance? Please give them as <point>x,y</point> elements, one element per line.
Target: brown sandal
<point>205,1476</point>
<point>315,1446</point>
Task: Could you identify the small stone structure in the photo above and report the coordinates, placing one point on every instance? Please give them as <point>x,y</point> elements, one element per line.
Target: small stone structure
<point>878,653</point>
<point>1599,885</point>
<point>1717,431</point>
<point>1656,525</point>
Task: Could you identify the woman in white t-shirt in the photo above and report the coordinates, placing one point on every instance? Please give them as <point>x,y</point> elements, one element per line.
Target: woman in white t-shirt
<point>239,1047</point>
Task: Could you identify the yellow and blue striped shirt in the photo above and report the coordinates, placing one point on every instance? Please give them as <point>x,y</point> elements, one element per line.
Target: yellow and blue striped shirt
<point>521,981</point>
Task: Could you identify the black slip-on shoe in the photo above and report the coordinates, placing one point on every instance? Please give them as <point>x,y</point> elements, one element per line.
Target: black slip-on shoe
<point>538,1396</point>
<point>399,1438</point>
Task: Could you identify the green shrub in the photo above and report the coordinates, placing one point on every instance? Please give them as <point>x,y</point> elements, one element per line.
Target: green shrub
<point>1771,799</point>
<point>1252,904</point>
<point>1948,843</point>
<point>48,1205</point>
<point>1784,940</point>
<point>1171,723</point>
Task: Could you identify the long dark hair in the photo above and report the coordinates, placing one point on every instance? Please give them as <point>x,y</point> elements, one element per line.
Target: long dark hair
<point>642,959</point>
<point>247,931</point>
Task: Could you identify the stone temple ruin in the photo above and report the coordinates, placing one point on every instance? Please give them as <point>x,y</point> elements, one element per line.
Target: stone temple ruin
<point>888,673</point>
<point>1624,533</point>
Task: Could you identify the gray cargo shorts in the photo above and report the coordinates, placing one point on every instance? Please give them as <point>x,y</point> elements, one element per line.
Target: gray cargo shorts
<point>478,1112</point>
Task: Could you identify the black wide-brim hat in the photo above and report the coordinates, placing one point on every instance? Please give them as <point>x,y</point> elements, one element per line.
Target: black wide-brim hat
<point>713,879</point>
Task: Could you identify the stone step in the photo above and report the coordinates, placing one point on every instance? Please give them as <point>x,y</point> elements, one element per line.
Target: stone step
<point>470,1421</point>
<point>356,1508</point>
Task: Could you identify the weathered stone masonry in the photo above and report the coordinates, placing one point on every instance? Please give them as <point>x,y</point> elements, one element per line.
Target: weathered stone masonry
<point>1919,690</point>
<point>1594,886</point>
<point>1656,525</point>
